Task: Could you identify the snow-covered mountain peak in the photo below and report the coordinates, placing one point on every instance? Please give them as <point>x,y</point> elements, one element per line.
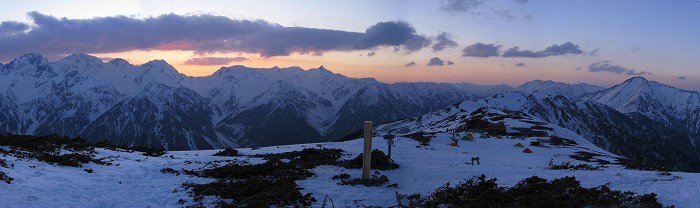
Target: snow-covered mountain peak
<point>570,91</point>
<point>80,62</point>
<point>30,58</point>
<point>321,70</point>
<point>118,62</point>
<point>159,65</point>
<point>638,79</point>
<point>81,57</point>
<point>160,71</point>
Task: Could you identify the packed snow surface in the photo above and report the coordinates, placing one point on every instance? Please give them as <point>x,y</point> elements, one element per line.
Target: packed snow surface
<point>136,181</point>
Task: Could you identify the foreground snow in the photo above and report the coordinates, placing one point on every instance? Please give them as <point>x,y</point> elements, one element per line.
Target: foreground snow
<point>136,181</point>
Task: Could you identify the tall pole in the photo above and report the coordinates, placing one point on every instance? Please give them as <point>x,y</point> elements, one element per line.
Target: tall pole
<point>367,158</point>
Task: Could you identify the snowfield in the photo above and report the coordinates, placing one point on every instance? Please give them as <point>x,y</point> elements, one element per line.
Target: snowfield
<point>136,181</point>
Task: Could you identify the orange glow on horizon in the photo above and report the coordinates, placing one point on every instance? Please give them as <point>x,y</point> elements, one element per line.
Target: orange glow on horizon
<point>388,67</point>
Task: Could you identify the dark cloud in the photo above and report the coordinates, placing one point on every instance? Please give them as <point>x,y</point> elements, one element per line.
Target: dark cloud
<point>461,5</point>
<point>372,53</point>
<point>396,33</point>
<point>554,50</point>
<point>435,61</point>
<point>443,41</point>
<point>520,65</point>
<point>502,65</point>
<point>11,28</point>
<point>410,64</point>
<point>681,77</point>
<point>201,33</point>
<point>634,72</point>
<point>450,63</point>
<point>213,61</point>
<point>605,66</point>
<point>635,49</point>
<point>481,50</point>
<point>593,52</point>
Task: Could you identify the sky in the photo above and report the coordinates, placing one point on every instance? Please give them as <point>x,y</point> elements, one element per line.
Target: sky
<point>476,41</point>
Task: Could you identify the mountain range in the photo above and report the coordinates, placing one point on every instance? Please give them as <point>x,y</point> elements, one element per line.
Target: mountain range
<point>627,119</point>
<point>154,105</point>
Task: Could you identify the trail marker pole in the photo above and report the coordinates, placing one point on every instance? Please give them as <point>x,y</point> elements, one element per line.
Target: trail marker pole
<point>367,158</point>
<point>389,141</point>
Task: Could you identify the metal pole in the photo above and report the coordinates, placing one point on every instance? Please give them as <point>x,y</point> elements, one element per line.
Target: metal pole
<point>390,143</point>
<point>367,158</point>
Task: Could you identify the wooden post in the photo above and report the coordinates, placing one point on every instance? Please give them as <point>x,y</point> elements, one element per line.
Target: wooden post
<point>367,158</point>
<point>391,142</point>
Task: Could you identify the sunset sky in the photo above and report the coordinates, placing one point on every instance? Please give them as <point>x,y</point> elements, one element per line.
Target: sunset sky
<point>476,41</point>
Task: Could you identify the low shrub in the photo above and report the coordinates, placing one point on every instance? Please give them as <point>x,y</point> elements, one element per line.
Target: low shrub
<point>380,161</point>
<point>227,152</point>
<point>308,158</point>
<point>638,165</point>
<point>4,177</point>
<point>530,192</point>
<point>3,163</point>
<point>254,192</point>
<point>376,179</point>
<point>71,159</point>
<point>261,185</point>
<point>169,170</point>
<point>568,166</point>
<point>420,137</point>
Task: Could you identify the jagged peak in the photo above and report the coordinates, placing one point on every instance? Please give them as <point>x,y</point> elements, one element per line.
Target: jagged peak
<point>293,68</point>
<point>81,58</point>
<point>158,64</point>
<point>30,58</point>
<point>636,79</point>
<point>542,81</point>
<point>118,62</point>
<point>635,82</point>
<point>321,69</point>
<point>160,67</point>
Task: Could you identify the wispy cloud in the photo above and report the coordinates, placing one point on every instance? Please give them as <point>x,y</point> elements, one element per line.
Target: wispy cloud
<point>461,5</point>
<point>435,61</point>
<point>410,64</point>
<point>491,50</point>
<point>481,50</point>
<point>554,50</point>
<point>372,53</point>
<point>605,66</point>
<point>681,77</point>
<point>200,33</point>
<point>443,41</point>
<point>520,64</point>
<point>12,28</point>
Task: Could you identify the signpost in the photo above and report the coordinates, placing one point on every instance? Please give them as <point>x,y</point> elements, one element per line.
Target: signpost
<point>389,141</point>
<point>367,158</point>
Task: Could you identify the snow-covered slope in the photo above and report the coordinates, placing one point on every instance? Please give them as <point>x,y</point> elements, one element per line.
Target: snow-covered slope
<point>136,181</point>
<point>570,91</point>
<point>630,135</point>
<point>117,100</point>
<point>676,108</point>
